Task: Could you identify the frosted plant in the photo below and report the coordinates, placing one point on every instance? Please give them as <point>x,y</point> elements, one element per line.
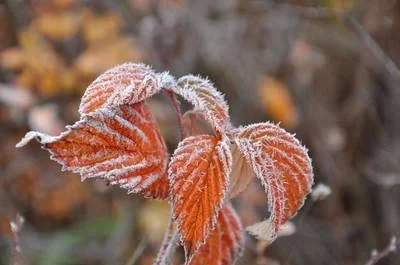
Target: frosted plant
<point>118,140</point>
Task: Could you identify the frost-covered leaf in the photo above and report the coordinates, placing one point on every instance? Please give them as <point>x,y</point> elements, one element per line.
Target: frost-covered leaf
<point>284,168</point>
<point>128,83</point>
<point>225,242</point>
<point>199,179</point>
<point>122,145</point>
<point>205,98</point>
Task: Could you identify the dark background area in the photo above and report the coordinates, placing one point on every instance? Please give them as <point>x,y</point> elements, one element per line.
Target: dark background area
<point>327,70</point>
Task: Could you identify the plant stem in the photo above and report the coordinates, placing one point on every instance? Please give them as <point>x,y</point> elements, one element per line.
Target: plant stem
<point>175,105</point>
<point>171,236</point>
<point>168,245</point>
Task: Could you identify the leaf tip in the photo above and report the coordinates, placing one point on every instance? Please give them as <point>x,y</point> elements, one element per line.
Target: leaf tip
<point>264,230</point>
<point>166,80</point>
<point>31,135</point>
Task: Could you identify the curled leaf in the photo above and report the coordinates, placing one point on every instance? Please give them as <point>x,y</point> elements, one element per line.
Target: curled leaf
<point>128,83</point>
<point>241,174</point>
<point>198,175</point>
<point>205,98</point>
<point>122,145</point>
<point>225,242</point>
<point>284,168</point>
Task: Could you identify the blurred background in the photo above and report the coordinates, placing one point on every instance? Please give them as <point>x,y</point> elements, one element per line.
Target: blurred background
<point>326,70</point>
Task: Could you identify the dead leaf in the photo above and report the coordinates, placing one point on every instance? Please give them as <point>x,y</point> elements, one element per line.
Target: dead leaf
<point>58,26</point>
<point>100,28</point>
<point>278,102</point>
<point>12,59</point>
<point>101,56</point>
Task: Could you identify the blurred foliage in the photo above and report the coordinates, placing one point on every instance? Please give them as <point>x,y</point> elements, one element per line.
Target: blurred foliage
<point>65,46</point>
<point>278,102</point>
<point>62,245</point>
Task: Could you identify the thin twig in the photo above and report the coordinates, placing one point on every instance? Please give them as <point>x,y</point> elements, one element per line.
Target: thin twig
<point>385,180</point>
<point>175,105</point>
<point>311,12</point>
<point>137,253</point>
<point>168,245</point>
<point>376,256</point>
<point>16,226</point>
<point>374,48</point>
<point>346,17</point>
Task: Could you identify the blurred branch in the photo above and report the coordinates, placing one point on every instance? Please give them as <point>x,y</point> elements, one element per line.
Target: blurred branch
<point>354,25</point>
<point>376,256</point>
<point>385,180</point>
<point>168,245</point>
<point>137,253</point>
<point>374,48</point>
<point>302,11</point>
<point>16,226</point>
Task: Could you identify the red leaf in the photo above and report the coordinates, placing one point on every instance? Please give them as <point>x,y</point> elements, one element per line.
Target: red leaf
<point>124,84</point>
<point>198,177</point>
<point>225,242</point>
<point>206,99</point>
<point>122,145</point>
<point>284,168</point>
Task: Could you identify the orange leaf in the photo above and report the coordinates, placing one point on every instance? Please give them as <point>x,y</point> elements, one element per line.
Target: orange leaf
<point>225,242</point>
<point>107,53</point>
<point>124,84</point>
<point>122,145</point>
<point>98,28</point>
<point>198,177</point>
<point>12,59</point>
<point>284,168</point>
<point>278,102</point>
<point>206,99</point>
<point>58,26</point>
